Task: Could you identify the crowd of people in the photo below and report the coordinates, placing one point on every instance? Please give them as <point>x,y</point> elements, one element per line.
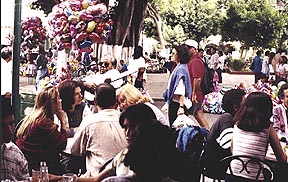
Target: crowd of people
<point>125,137</point>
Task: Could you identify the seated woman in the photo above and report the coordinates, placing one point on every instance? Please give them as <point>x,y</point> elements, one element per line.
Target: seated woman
<point>38,136</point>
<point>72,103</point>
<point>128,95</point>
<point>252,133</point>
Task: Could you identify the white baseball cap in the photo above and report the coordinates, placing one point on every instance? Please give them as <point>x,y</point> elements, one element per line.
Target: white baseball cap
<point>191,43</point>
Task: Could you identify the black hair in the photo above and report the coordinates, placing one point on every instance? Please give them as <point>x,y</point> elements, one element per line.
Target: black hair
<point>281,90</point>
<point>267,53</point>
<point>105,96</point>
<point>183,53</point>
<point>231,98</point>
<point>255,113</point>
<point>262,75</point>
<point>200,50</point>
<point>138,52</point>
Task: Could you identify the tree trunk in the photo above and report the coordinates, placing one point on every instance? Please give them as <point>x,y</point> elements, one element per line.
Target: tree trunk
<point>158,22</point>
<point>128,23</point>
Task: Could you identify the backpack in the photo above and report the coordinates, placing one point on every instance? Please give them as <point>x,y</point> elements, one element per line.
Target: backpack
<point>207,82</point>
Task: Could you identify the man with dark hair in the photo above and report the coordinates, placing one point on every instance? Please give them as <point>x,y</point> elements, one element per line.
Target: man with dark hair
<point>219,138</point>
<point>14,166</point>
<point>100,136</point>
<point>6,72</point>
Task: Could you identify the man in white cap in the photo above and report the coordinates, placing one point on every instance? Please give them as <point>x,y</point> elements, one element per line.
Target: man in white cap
<point>196,71</point>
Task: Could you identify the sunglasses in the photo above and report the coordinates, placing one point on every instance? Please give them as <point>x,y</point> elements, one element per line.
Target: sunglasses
<point>104,64</point>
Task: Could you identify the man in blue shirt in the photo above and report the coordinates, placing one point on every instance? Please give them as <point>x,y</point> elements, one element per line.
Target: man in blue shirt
<point>257,61</point>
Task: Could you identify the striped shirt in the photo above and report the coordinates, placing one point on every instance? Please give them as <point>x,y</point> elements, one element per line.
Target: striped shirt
<point>253,144</point>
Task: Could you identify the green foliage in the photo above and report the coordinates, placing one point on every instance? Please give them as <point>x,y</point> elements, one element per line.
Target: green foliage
<point>252,22</point>
<point>194,19</point>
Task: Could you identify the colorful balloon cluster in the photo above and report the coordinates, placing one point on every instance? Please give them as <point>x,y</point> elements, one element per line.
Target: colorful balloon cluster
<point>77,24</point>
<point>33,32</point>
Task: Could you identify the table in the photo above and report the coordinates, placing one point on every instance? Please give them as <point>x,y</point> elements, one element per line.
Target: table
<point>279,170</point>
<point>270,154</point>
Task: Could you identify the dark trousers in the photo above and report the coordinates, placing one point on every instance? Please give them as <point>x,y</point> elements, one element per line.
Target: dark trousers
<point>172,112</point>
<point>219,72</point>
<point>257,77</point>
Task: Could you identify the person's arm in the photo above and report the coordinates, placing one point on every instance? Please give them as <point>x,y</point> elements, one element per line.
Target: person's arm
<point>102,175</point>
<point>62,116</point>
<point>276,146</point>
<point>196,86</point>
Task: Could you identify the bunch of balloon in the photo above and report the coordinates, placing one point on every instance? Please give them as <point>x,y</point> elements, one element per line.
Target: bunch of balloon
<point>33,33</point>
<point>77,24</point>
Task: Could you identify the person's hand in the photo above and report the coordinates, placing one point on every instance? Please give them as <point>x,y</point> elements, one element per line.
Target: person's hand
<point>53,178</point>
<point>62,116</point>
<point>89,85</point>
<point>194,98</point>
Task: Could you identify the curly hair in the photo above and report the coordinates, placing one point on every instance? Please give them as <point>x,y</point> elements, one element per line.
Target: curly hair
<point>183,53</point>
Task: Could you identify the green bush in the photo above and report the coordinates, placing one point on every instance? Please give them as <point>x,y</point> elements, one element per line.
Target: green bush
<point>237,65</point>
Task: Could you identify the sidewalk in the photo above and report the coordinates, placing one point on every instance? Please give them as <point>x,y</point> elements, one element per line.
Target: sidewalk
<point>157,83</point>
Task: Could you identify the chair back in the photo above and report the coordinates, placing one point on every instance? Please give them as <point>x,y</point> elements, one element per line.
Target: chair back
<point>248,166</point>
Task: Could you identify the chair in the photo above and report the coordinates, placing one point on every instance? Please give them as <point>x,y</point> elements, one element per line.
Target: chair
<point>248,165</point>
<point>205,174</point>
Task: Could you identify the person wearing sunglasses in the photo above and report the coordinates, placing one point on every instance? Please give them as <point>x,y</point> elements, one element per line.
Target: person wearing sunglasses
<point>107,73</point>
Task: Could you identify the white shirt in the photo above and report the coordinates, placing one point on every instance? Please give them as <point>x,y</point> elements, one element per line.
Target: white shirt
<point>265,66</point>
<point>6,76</point>
<point>135,64</point>
<point>99,78</point>
<point>282,69</point>
<point>214,60</point>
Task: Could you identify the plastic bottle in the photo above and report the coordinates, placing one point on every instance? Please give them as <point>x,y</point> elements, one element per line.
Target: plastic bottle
<point>44,172</point>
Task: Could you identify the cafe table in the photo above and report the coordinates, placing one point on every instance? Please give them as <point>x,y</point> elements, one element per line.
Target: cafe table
<point>280,170</point>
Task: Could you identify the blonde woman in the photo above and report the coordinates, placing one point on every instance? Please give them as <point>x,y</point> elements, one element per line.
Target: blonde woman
<point>128,95</point>
<point>38,136</point>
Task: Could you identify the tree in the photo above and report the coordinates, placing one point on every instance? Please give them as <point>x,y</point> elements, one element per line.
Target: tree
<point>252,22</point>
<point>179,20</point>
